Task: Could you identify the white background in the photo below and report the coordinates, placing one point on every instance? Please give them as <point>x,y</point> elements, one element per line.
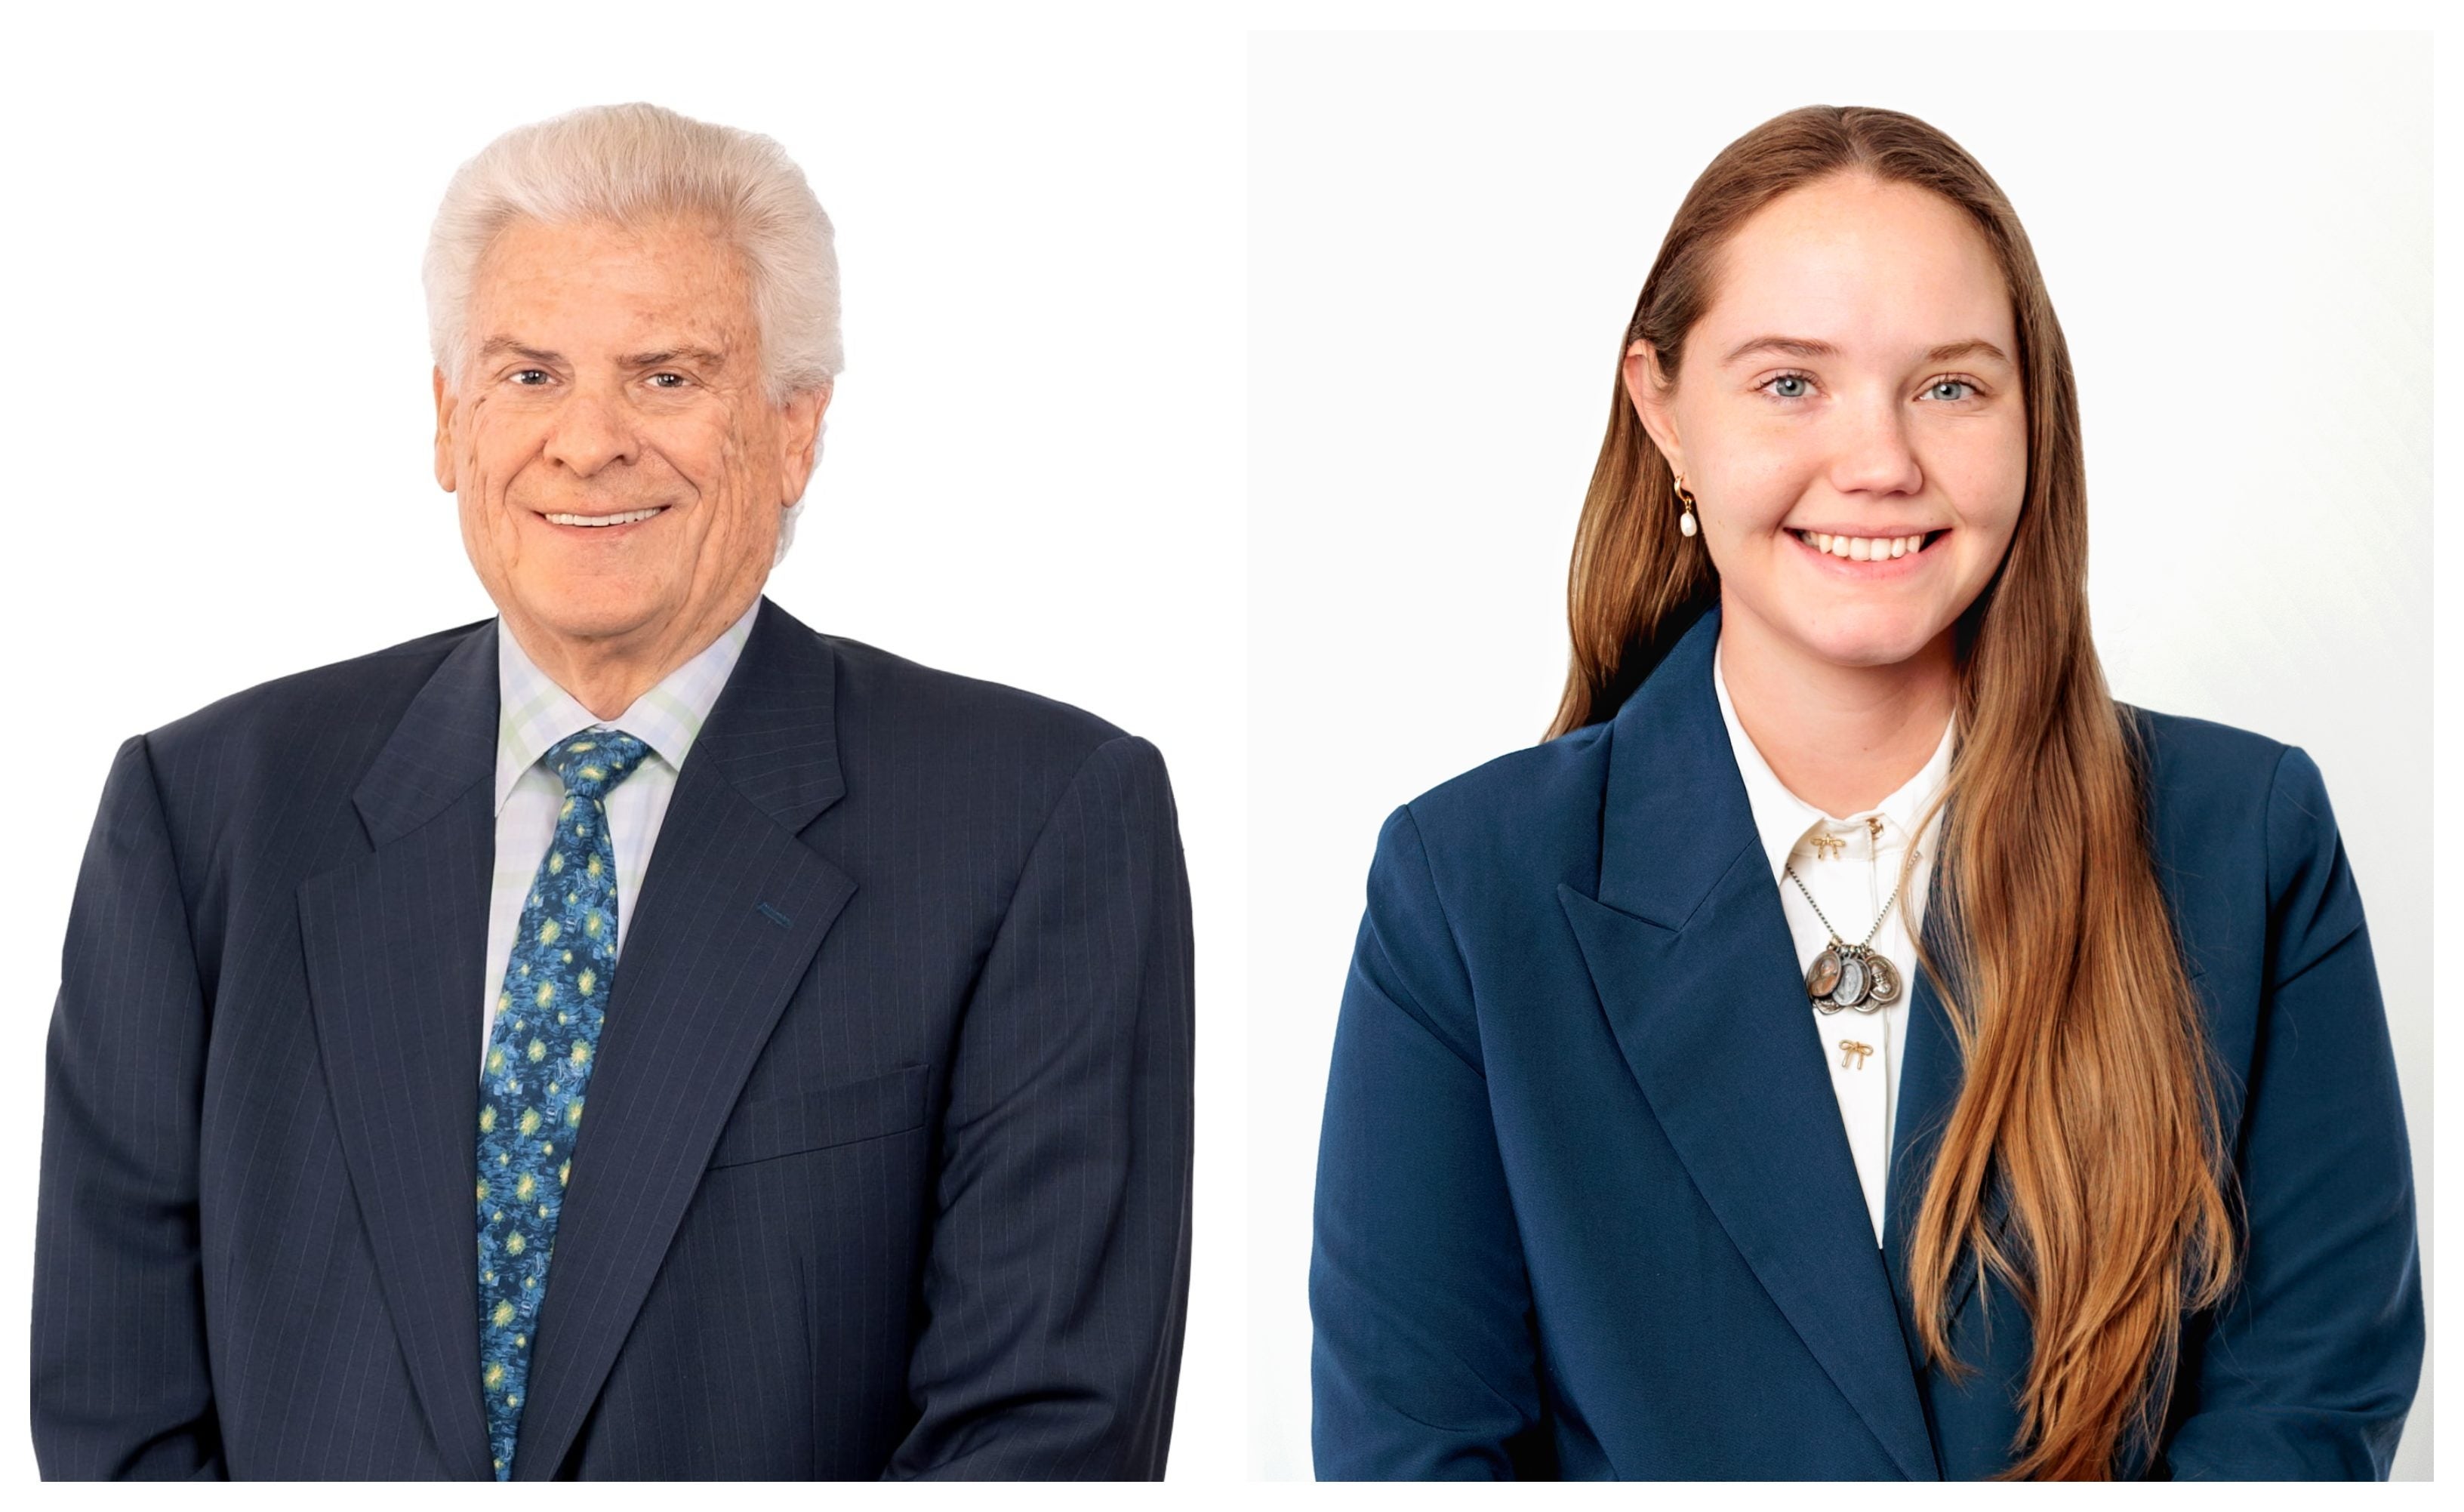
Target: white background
<point>1447,234</point>
<point>216,437</point>
<point>219,425</point>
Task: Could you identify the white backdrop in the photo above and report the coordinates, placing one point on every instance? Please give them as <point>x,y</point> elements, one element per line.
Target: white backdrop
<point>1035,471</point>
<point>219,431</point>
<point>1446,235</point>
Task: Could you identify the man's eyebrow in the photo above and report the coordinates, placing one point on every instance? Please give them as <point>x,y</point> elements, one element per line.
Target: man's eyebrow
<point>1800,346</point>
<point>507,346</point>
<point>703,354</point>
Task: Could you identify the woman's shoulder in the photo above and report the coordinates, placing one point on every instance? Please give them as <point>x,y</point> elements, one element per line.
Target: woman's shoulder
<point>2186,752</point>
<point>2216,788</point>
<point>2203,745</point>
<point>1475,861</point>
<point>1535,796</point>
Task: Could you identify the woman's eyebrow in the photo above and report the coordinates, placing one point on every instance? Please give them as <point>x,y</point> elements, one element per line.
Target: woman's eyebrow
<point>1785,345</point>
<point>1801,346</point>
<point>1953,351</point>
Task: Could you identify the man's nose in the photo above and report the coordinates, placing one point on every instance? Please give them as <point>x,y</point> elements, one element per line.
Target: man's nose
<point>592,430</point>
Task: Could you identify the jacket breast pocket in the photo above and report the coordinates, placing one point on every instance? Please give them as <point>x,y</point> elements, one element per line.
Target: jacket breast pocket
<point>820,1117</point>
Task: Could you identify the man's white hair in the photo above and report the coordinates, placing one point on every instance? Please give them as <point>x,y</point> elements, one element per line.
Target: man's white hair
<point>630,163</point>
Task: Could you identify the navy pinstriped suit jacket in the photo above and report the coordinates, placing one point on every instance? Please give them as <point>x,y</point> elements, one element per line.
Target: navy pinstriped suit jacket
<point>1585,1208</point>
<point>888,1168</point>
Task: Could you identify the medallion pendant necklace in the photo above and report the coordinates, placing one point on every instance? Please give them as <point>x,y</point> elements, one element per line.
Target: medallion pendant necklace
<point>1847,975</point>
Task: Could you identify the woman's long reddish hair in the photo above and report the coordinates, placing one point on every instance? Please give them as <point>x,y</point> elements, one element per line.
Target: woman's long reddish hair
<point>2086,1104</point>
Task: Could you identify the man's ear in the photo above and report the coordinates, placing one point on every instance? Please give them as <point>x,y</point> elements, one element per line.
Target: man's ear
<point>444,403</point>
<point>800,427</point>
<point>1646,391</point>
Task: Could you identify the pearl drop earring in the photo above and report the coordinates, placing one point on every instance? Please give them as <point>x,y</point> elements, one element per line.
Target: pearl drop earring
<point>1685,525</point>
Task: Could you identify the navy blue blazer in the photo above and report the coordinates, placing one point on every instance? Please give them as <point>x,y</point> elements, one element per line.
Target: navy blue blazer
<point>1585,1207</point>
<point>888,1170</point>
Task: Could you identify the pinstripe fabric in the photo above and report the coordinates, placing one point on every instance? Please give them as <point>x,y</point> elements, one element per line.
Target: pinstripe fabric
<point>890,1154</point>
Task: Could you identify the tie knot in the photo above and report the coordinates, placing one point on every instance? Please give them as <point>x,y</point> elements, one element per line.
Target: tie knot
<point>591,761</point>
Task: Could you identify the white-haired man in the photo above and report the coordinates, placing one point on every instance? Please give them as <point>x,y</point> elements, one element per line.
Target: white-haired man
<point>875,980</point>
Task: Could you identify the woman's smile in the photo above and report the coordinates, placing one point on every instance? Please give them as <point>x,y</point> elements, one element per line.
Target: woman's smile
<point>1869,557</point>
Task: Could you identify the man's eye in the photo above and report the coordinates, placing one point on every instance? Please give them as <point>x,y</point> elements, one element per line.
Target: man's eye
<point>530,377</point>
<point>668,380</point>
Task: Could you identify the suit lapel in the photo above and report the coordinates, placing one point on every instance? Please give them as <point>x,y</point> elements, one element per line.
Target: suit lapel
<point>732,909</point>
<point>1692,956</point>
<point>394,946</point>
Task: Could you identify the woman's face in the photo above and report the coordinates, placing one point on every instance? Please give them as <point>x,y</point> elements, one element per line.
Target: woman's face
<point>1849,420</point>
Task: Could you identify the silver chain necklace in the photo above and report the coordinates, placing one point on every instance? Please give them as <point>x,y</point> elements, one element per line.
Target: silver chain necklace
<point>1847,975</point>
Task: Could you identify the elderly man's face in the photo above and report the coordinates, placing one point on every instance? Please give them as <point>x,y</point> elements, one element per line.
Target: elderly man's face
<point>620,466</point>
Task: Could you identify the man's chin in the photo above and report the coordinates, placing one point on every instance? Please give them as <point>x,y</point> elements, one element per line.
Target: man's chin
<point>598,614</point>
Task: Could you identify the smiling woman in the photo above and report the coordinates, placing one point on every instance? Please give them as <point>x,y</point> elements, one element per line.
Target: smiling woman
<point>1640,1161</point>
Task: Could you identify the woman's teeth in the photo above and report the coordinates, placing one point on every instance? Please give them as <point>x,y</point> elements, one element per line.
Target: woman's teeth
<point>626,518</point>
<point>1861,548</point>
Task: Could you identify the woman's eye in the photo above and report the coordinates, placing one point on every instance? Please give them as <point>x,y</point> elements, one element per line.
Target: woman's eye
<point>1799,385</point>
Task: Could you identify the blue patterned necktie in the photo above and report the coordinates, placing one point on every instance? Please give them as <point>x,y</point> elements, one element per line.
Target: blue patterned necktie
<point>539,1053</point>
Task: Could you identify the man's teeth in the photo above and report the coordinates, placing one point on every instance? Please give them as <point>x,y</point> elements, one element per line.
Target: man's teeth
<point>1862,548</point>
<point>624,518</point>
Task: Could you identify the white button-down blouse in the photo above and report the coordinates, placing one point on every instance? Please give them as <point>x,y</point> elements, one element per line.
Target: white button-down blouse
<point>1850,864</point>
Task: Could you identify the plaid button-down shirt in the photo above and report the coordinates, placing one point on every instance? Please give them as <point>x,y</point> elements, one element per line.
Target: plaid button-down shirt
<point>535,714</point>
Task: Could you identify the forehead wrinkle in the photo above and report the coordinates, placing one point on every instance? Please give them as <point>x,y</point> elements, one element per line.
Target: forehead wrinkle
<point>663,262</point>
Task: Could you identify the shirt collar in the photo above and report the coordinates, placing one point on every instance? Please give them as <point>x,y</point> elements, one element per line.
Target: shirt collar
<point>1782,819</point>
<point>534,712</point>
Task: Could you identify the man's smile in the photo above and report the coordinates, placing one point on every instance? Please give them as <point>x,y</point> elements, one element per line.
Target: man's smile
<point>619,523</point>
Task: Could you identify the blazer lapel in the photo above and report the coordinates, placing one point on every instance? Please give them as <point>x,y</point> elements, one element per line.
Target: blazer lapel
<point>1976,1420</point>
<point>394,946</point>
<point>1692,958</point>
<point>1930,1077</point>
<point>732,909</point>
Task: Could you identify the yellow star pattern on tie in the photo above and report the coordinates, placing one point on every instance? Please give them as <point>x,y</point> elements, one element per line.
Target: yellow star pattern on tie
<point>541,1049</point>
